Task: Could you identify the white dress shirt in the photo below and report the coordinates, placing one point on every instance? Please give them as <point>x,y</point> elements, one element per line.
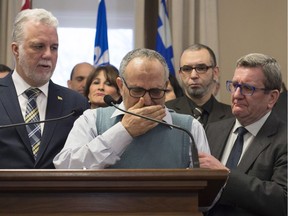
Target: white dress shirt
<point>252,129</point>
<point>21,86</point>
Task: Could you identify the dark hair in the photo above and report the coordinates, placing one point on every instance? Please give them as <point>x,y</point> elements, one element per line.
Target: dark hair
<point>4,68</point>
<point>175,85</point>
<point>199,46</point>
<point>110,72</point>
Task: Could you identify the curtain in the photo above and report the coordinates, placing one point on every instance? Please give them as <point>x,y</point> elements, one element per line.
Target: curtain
<point>8,11</point>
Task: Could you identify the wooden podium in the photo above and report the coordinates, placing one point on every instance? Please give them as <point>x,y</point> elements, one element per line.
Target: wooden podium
<point>108,192</point>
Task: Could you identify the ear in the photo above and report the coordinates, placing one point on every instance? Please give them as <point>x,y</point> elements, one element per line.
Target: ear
<point>15,49</point>
<point>69,83</point>
<point>120,85</point>
<point>216,73</point>
<point>273,97</point>
<point>180,74</point>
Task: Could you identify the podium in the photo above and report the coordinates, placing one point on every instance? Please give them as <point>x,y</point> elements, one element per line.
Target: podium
<point>109,191</point>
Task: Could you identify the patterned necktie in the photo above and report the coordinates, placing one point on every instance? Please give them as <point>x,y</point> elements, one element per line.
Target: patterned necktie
<point>32,115</point>
<point>197,113</point>
<point>236,151</point>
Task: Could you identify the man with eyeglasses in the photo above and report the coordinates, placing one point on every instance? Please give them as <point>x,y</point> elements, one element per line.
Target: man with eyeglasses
<point>257,183</point>
<point>198,73</point>
<point>109,138</point>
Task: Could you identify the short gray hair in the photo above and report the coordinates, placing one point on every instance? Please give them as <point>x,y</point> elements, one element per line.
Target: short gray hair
<point>37,15</point>
<point>270,67</point>
<point>143,53</point>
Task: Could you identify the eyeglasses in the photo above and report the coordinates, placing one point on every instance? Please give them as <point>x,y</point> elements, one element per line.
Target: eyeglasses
<point>138,92</point>
<point>201,68</point>
<point>245,89</point>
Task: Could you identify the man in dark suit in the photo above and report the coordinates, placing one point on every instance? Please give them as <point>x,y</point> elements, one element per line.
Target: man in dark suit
<point>257,183</point>
<point>280,107</point>
<point>35,48</point>
<point>199,73</point>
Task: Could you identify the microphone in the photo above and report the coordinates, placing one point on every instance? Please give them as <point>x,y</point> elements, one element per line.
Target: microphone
<point>195,159</point>
<point>75,112</point>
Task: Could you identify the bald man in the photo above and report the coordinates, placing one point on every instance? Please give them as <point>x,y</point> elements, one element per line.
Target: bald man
<point>78,77</point>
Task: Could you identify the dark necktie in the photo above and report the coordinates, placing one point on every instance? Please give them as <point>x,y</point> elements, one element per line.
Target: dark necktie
<point>32,115</point>
<point>236,151</point>
<point>197,113</point>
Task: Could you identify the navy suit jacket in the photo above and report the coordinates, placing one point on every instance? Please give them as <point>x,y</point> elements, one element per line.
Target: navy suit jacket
<point>219,110</point>
<point>258,186</point>
<point>15,148</point>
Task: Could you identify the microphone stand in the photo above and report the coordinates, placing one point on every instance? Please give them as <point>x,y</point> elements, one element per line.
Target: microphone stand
<point>73,113</point>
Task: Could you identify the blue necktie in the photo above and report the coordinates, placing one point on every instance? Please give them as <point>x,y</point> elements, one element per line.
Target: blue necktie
<point>236,151</point>
<point>32,115</point>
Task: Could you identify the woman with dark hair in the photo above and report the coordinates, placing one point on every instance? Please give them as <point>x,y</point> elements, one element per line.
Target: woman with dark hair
<point>101,82</point>
<point>174,90</point>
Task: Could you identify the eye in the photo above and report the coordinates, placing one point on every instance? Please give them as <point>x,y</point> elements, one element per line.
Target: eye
<point>96,82</point>
<point>137,90</point>
<point>235,85</point>
<point>186,68</point>
<point>155,91</point>
<point>247,87</point>
<point>201,67</point>
<point>37,46</point>
<point>108,83</point>
<point>54,47</point>
<point>79,79</point>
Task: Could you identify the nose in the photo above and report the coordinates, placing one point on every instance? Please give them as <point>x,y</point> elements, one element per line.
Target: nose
<point>47,53</point>
<point>147,99</point>
<point>83,83</point>
<point>193,73</point>
<point>237,92</point>
<point>101,86</point>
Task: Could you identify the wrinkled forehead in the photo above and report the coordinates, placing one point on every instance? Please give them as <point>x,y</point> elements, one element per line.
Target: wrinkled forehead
<point>143,67</point>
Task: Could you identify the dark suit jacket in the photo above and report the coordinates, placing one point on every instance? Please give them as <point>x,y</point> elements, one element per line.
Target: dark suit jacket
<point>280,107</point>
<point>219,110</point>
<point>15,148</point>
<point>259,184</point>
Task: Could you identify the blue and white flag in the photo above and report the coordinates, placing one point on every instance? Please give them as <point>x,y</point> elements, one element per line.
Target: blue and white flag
<point>163,39</point>
<point>101,53</point>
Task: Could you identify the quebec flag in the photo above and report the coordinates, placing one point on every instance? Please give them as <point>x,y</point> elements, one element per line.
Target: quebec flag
<point>163,38</point>
<point>101,53</point>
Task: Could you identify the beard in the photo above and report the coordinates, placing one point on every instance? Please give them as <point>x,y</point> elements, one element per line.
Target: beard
<point>30,72</point>
<point>202,91</point>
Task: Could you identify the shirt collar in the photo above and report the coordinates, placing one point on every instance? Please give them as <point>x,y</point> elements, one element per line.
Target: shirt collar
<point>207,106</point>
<point>21,85</point>
<point>167,118</point>
<point>254,127</point>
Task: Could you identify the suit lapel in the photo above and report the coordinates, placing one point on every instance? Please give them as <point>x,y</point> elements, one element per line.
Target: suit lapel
<point>260,142</point>
<point>183,105</point>
<point>10,102</point>
<point>218,113</point>
<point>217,134</point>
<point>53,110</point>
